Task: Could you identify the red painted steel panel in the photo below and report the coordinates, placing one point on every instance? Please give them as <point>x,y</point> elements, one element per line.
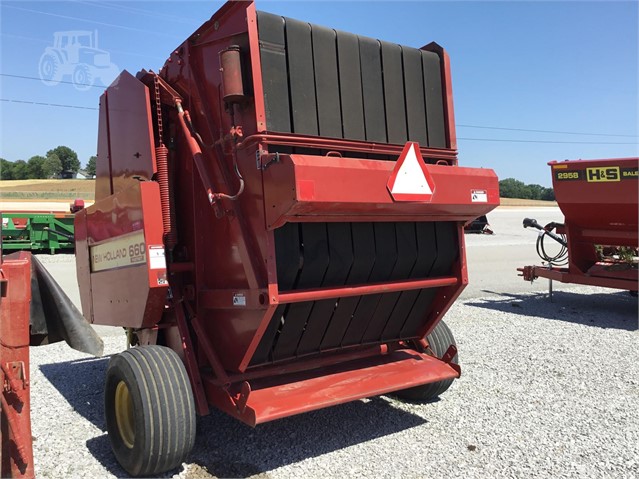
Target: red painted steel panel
<point>625,279</point>
<point>131,294</point>
<point>15,420</point>
<point>274,398</point>
<point>328,188</point>
<point>130,134</point>
<point>601,208</point>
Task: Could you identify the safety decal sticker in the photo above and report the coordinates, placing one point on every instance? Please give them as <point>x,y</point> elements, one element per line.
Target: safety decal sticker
<point>239,299</point>
<point>479,196</point>
<point>156,257</point>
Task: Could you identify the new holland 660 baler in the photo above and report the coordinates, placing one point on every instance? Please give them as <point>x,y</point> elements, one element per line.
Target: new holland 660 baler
<point>278,224</point>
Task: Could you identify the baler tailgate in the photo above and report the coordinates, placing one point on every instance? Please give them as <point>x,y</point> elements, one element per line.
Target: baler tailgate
<point>276,397</point>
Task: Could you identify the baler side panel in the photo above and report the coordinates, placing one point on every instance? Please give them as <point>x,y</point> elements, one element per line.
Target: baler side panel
<point>233,243</point>
<point>127,152</point>
<point>231,254</point>
<point>128,282</point>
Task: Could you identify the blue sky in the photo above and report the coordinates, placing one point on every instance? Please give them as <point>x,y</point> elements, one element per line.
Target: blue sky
<point>562,67</point>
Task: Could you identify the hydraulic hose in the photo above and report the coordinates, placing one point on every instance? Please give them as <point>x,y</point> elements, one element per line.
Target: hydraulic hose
<point>559,259</point>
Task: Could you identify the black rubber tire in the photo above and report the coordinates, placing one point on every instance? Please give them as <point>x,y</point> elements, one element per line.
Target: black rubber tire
<point>163,410</point>
<point>439,340</point>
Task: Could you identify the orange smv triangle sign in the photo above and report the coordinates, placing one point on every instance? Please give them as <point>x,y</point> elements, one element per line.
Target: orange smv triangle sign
<point>410,179</point>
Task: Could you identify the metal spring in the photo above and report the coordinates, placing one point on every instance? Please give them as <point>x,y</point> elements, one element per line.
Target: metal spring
<point>162,155</point>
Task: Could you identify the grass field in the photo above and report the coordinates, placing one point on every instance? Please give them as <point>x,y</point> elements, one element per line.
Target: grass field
<point>47,189</point>
<point>523,202</point>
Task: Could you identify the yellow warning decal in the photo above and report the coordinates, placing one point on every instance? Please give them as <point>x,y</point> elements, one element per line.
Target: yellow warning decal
<point>598,174</point>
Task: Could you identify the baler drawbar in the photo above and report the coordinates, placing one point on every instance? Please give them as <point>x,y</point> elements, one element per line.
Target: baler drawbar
<point>278,225</point>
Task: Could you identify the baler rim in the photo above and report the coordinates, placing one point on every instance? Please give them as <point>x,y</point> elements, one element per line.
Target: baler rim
<point>124,416</point>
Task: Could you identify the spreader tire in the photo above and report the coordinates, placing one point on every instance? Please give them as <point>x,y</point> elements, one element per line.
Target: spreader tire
<point>439,340</point>
<point>149,408</point>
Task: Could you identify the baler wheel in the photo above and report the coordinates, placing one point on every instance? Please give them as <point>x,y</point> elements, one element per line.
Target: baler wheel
<point>149,408</point>
<point>439,340</point>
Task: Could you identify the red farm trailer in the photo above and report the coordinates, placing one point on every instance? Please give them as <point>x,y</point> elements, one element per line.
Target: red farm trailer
<point>599,235</point>
<point>278,225</point>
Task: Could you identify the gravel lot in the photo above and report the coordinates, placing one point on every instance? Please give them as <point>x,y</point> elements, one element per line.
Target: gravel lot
<point>548,389</point>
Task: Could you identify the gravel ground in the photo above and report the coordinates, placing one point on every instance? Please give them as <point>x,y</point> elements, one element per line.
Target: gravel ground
<point>548,390</point>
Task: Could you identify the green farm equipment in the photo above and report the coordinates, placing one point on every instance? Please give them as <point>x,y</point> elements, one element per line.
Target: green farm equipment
<point>37,232</point>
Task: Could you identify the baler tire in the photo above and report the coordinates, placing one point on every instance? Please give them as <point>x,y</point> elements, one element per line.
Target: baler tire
<point>439,341</point>
<point>149,409</point>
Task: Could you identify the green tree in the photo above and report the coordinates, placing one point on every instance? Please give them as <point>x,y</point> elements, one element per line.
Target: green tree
<point>35,166</point>
<point>91,165</point>
<point>52,165</point>
<point>68,158</point>
<point>6,169</point>
<point>512,188</point>
<point>535,191</point>
<point>548,194</point>
<point>20,170</point>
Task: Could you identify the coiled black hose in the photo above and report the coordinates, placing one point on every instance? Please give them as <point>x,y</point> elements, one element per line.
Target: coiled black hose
<point>559,259</point>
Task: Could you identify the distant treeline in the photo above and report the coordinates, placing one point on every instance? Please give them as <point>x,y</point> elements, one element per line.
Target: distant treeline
<point>512,188</point>
<point>56,162</point>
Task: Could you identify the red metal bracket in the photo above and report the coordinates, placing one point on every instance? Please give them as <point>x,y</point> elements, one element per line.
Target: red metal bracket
<point>448,356</point>
<point>14,381</point>
<point>528,273</point>
<point>20,454</point>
